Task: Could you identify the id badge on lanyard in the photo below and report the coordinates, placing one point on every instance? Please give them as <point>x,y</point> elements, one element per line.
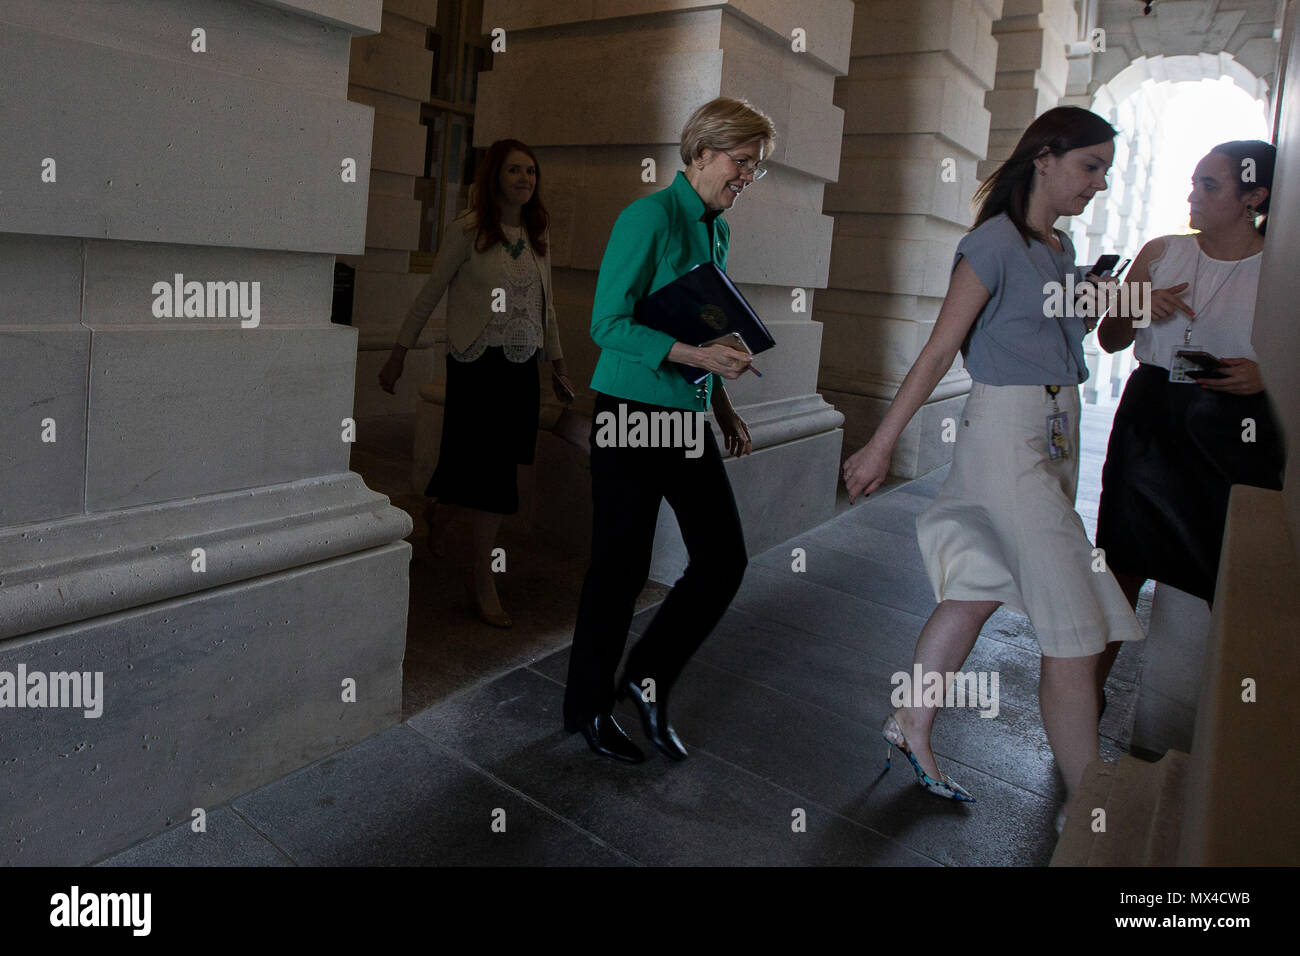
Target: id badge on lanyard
<point>1058,423</point>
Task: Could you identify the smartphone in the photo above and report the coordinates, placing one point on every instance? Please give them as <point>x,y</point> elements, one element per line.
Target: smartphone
<point>1207,365</point>
<point>568,392</point>
<point>1104,264</point>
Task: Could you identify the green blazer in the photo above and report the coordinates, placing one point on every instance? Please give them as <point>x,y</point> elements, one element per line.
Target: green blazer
<point>655,240</point>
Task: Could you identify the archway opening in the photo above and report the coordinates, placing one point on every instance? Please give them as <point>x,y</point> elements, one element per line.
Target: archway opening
<point>1166,125</point>
<point>1196,117</point>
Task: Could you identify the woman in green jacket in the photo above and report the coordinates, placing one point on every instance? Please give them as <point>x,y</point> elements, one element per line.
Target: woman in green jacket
<point>656,240</point>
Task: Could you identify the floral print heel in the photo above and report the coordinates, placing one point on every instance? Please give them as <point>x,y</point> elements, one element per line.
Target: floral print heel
<point>944,787</point>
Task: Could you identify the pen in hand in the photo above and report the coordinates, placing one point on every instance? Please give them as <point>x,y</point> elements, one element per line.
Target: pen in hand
<point>737,336</point>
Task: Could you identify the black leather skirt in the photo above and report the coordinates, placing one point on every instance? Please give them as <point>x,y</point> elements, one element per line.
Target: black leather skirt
<point>1175,451</point>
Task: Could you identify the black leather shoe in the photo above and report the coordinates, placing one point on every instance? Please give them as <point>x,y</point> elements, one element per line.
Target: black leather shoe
<point>605,737</point>
<point>654,718</point>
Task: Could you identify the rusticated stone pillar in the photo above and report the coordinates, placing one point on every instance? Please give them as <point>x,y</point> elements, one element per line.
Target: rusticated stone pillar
<point>176,511</point>
<point>1034,38</point>
<point>597,92</point>
<point>390,72</point>
<point>914,129</point>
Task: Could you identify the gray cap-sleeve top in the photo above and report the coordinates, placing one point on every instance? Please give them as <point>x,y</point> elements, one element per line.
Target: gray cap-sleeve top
<point>1013,341</point>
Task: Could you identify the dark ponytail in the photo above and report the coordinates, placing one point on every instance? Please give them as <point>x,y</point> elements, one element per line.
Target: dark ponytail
<point>1261,156</point>
<point>1058,131</point>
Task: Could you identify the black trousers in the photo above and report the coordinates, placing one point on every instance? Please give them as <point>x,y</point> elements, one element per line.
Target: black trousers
<point>627,485</point>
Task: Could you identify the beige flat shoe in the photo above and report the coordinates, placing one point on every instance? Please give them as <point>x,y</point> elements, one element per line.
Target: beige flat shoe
<point>501,619</point>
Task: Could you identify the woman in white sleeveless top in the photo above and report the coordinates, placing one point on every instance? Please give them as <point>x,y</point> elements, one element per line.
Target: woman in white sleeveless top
<point>1003,529</point>
<point>1181,440</point>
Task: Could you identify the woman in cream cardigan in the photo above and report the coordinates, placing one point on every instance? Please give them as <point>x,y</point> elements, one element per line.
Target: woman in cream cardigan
<point>500,321</point>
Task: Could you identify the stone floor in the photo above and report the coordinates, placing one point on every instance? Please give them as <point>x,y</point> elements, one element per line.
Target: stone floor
<point>781,711</point>
<point>447,648</point>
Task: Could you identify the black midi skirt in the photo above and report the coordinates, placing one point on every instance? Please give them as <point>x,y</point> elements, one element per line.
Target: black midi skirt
<point>1175,451</point>
<point>489,428</point>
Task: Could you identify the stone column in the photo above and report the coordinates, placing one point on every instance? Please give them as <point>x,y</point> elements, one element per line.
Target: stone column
<point>1033,36</point>
<point>598,93</point>
<point>914,129</point>
<point>176,510</point>
<point>391,73</point>
<point>1115,221</point>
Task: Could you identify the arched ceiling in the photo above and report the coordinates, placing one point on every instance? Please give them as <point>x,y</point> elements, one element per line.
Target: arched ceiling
<point>1180,31</point>
<point>1176,69</point>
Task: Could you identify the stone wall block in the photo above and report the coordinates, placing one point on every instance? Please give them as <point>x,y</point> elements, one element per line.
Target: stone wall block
<point>384,63</point>
<point>128,168</point>
<point>384,299</point>
<point>279,395</point>
<point>392,222</point>
<point>359,16</point>
<point>294,288</point>
<point>180,675</point>
<point>514,104</point>
<point>253,41</point>
<point>398,145</point>
<point>43,387</point>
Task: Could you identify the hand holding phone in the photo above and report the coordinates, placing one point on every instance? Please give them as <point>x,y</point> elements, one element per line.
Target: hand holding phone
<point>1191,365</point>
<point>1103,265</point>
<point>1106,264</point>
<point>1207,365</point>
<point>563,391</point>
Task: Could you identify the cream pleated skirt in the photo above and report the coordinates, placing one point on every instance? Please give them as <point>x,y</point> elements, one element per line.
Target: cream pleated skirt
<point>1003,527</point>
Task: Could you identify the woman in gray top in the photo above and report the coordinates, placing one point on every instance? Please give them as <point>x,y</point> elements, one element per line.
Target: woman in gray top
<point>1003,529</point>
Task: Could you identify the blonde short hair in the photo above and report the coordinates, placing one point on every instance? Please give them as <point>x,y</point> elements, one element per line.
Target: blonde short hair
<point>725,124</point>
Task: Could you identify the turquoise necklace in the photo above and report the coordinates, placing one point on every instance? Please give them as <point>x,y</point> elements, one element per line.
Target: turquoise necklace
<point>516,247</point>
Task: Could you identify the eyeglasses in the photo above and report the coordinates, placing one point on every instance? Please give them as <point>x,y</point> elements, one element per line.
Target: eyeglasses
<point>757,170</point>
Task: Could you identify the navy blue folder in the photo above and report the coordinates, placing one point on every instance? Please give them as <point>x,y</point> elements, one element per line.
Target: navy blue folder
<point>700,307</point>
